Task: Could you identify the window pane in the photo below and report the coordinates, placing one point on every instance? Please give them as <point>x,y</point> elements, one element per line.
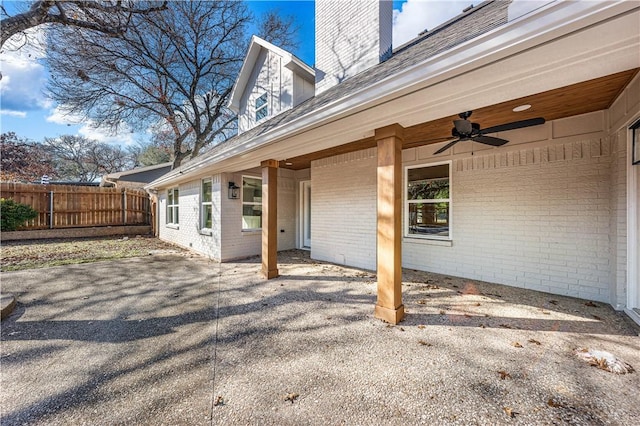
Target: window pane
<point>170,215</point>
<point>207,216</point>
<point>251,190</point>
<point>206,191</point>
<point>429,219</point>
<point>262,113</point>
<point>175,215</point>
<point>428,189</point>
<point>262,100</point>
<point>428,183</point>
<point>170,197</point>
<point>251,216</point>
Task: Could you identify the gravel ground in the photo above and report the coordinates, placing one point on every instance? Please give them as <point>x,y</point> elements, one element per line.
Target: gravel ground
<point>181,340</point>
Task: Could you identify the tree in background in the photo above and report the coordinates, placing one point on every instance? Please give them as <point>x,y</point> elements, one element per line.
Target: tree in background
<point>172,70</point>
<point>108,17</point>
<point>79,159</point>
<point>150,153</point>
<point>278,29</point>
<point>23,160</point>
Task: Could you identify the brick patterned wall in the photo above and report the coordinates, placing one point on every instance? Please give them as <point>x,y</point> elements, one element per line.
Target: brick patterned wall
<point>238,244</point>
<point>535,218</point>
<point>618,220</point>
<point>188,233</point>
<point>623,112</point>
<point>343,209</point>
<point>533,215</point>
<point>351,36</point>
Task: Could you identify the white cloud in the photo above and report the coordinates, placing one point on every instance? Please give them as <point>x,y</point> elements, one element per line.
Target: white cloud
<point>19,114</point>
<point>123,137</point>
<point>23,76</point>
<point>419,15</point>
<point>58,115</point>
<point>89,130</point>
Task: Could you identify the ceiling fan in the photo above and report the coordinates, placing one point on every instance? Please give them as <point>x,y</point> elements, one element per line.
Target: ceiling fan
<point>465,130</point>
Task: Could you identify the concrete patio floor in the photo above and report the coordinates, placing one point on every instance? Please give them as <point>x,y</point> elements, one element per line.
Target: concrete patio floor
<point>178,339</point>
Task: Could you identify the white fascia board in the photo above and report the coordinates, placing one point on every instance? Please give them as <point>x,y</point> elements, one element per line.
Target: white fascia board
<point>546,24</point>
<point>243,76</point>
<point>303,70</point>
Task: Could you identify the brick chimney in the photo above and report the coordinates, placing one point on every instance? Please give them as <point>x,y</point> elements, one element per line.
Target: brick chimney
<point>351,36</point>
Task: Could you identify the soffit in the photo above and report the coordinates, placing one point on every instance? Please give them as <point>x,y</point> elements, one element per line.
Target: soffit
<point>568,101</point>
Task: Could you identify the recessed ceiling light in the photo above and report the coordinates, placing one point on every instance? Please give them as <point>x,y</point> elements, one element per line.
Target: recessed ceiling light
<point>288,163</point>
<point>521,108</point>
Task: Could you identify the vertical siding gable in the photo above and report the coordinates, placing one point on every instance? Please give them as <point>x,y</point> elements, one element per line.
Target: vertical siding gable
<point>269,75</point>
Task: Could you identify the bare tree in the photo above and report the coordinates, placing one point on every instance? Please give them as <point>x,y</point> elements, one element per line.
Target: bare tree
<point>278,29</point>
<point>174,70</point>
<point>23,160</point>
<point>105,16</point>
<point>85,160</point>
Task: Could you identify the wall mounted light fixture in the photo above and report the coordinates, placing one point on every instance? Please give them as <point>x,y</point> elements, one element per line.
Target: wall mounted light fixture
<point>234,191</point>
<point>635,142</point>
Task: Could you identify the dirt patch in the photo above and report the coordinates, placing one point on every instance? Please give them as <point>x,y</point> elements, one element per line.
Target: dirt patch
<point>20,255</point>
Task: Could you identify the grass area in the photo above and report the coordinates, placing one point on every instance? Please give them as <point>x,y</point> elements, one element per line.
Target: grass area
<point>19,255</point>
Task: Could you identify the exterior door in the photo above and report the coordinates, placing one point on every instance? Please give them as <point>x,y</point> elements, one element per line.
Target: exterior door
<point>305,214</point>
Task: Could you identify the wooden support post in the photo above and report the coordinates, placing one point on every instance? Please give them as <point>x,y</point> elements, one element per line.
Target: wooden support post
<point>270,219</point>
<point>389,307</point>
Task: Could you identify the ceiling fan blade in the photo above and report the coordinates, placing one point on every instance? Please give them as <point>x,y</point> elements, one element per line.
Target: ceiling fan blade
<point>514,125</point>
<point>489,140</point>
<point>446,147</point>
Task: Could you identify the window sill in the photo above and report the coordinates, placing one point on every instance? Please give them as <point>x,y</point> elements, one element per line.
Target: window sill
<point>428,241</point>
<point>206,231</point>
<point>172,225</point>
<point>251,231</point>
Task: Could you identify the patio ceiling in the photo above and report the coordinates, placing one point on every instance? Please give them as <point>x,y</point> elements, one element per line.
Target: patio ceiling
<point>576,99</point>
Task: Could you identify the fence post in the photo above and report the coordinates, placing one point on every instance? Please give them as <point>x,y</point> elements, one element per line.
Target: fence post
<point>50,209</point>
<point>124,206</point>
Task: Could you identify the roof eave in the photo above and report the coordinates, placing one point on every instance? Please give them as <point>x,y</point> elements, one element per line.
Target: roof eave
<point>550,22</point>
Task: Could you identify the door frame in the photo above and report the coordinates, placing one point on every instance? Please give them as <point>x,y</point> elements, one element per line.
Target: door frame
<point>302,213</point>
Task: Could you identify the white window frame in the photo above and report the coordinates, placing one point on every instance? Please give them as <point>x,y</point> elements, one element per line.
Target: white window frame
<point>248,203</point>
<point>174,206</point>
<point>407,202</point>
<point>203,228</point>
<point>264,106</point>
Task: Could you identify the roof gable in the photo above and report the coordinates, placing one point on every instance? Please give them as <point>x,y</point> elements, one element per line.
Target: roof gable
<point>257,44</point>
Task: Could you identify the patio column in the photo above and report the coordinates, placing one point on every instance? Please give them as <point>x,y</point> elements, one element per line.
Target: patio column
<point>389,307</point>
<point>270,218</point>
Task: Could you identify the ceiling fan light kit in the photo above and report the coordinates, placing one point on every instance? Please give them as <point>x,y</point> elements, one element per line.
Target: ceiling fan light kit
<point>465,130</point>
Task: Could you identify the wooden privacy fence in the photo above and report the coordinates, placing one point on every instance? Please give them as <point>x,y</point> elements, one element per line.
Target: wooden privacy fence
<point>68,206</point>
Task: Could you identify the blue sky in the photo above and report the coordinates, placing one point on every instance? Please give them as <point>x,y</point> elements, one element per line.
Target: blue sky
<point>25,109</point>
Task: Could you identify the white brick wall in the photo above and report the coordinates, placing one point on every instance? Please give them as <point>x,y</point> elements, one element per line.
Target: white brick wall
<point>227,240</point>
<point>533,215</point>
<point>351,36</point>
<point>235,242</point>
<point>343,209</point>
<point>524,219</point>
<point>188,233</point>
<point>623,112</point>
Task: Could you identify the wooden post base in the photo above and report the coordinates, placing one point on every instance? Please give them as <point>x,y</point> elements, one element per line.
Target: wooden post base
<point>392,316</point>
<point>269,274</point>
